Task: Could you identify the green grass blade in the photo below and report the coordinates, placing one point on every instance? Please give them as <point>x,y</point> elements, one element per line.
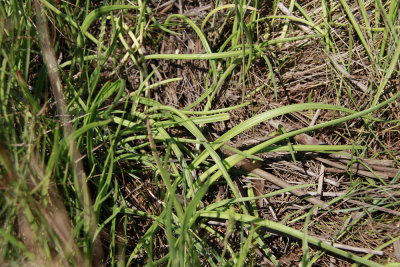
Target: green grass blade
<point>285,230</point>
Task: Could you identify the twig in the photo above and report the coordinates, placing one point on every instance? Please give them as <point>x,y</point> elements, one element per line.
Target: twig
<point>320,185</point>
<point>352,248</point>
<point>359,203</point>
<point>347,75</point>
<point>288,13</point>
<point>310,173</point>
<point>248,166</point>
<point>338,167</point>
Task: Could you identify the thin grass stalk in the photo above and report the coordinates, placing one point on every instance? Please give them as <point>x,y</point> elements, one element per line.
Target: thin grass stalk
<point>56,86</point>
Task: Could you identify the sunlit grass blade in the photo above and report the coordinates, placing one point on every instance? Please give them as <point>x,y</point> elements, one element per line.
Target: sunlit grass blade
<point>289,231</point>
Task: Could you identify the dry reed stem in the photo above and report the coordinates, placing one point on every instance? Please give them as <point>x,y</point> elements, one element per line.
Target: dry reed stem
<point>58,92</point>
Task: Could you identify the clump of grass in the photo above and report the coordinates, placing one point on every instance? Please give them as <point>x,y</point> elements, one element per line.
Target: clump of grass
<point>123,128</point>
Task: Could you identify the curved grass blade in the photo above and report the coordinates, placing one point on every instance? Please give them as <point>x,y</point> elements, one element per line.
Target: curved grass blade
<point>201,37</point>
<point>215,10</point>
<point>285,230</point>
<point>92,16</point>
<point>233,160</point>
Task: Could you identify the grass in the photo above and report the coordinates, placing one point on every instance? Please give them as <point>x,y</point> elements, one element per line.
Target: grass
<point>178,134</point>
